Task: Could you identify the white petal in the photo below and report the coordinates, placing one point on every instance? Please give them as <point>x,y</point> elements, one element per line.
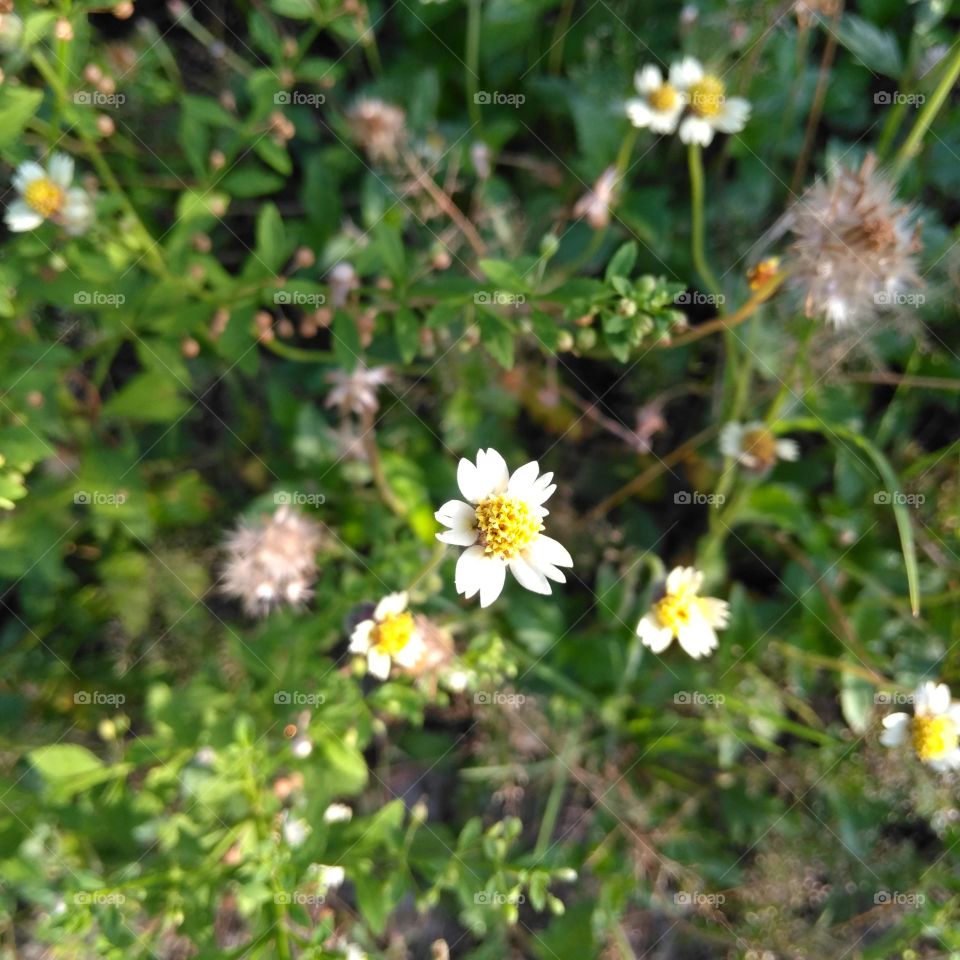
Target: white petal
<point>410,655</point>
<point>20,217</point>
<point>360,638</point>
<point>492,471</point>
<point>733,115</point>
<point>696,130</point>
<point>685,73</point>
<point>469,574</point>
<point>462,520</point>
<point>648,79</point>
<point>731,439</point>
<point>27,173</point>
<point>639,113</point>
<point>665,121</point>
<point>897,725</point>
<point>787,449</point>
<point>60,169</point>
<point>77,214</point>
<point>378,663</point>
<point>681,577</point>
<point>714,612</point>
<point>458,538</point>
<point>547,550</point>
<point>469,480</point>
<point>390,606</point>
<point>653,635</point>
<point>529,577</point>
<point>494,574</point>
<point>523,479</point>
<point>697,637</point>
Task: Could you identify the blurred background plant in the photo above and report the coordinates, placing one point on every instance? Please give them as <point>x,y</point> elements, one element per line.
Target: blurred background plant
<point>310,254</point>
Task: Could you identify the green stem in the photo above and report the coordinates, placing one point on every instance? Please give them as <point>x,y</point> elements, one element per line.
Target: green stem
<point>555,60</point>
<point>289,352</point>
<point>911,146</point>
<point>695,160</point>
<point>551,810</point>
<point>472,65</point>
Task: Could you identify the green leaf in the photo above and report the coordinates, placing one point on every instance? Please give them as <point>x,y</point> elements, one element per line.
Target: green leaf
<point>876,49</point>
<point>389,243</point>
<point>69,768</point>
<point>406,330</point>
<point>149,398</point>
<point>892,495</point>
<point>295,9</point>
<point>504,275</point>
<point>497,337</point>
<point>622,262</point>
<point>18,105</point>
<point>271,248</point>
<point>346,341</point>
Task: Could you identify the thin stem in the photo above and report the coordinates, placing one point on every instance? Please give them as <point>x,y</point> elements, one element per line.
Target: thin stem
<point>289,352</point>
<point>911,146</point>
<point>472,60</point>
<point>695,161</point>
<point>376,465</point>
<point>555,60</point>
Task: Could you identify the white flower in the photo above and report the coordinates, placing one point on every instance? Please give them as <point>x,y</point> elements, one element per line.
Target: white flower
<point>330,877</point>
<point>48,195</point>
<point>681,613</point>
<point>390,636</point>
<point>337,813</point>
<point>710,109</point>
<point>294,830</point>
<point>356,392</point>
<point>755,446</point>
<point>660,104</point>
<point>501,526</point>
<point>343,281</point>
<point>933,730</point>
<point>11,31</point>
<point>378,127</point>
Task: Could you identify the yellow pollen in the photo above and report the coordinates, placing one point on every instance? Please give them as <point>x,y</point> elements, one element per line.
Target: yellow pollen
<point>762,445</point>
<point>663,98</point>
<point>44,196</point>
<point>675,610</point>
<point>707,96</point>
<point>506,526</point>
<point>934,737</point>
<point>392,634</point>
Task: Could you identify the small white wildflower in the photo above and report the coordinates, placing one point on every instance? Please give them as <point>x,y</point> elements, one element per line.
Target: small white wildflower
<point>933,730</point>
<point>295,830</point>
<point>681,613</point>
<point>660,104</point>
<point>501,526</point>
<point>710,109</point>
<point>272,561</point>
<point>755,446</point>
<point>389,636</point>
<point>49,195</point>
<point>337,813</point>
<point>356,392</point>
<point>302,747</point>
<point>328,877</point>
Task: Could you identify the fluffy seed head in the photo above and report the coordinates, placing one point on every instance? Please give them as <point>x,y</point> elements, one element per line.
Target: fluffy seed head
<point>853,254</point>
<point>271,561</point>
<point>378,127</point>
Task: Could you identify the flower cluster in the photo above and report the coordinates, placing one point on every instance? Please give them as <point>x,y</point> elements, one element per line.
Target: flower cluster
<point>691,99</point>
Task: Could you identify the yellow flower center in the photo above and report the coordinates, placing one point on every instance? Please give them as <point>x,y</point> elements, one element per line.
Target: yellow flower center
<point>761,274</point>
<point>44,196</point>
<point>393,633</point>
<point>934,737</point>
<point>506,526</point>
<point>762,445</point>
<point>676,610</point>
<point>663,98</point>
<point>707,96</point>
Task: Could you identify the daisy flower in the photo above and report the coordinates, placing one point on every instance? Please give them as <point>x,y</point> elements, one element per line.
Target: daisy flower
<point>933,730</point>
<point>710,109</point>
<point>660,104</point>
<point>755,446</point>
<point>48,195</point>
<point>501,526</point>
<point>681,613</point>
<point>389,636</point>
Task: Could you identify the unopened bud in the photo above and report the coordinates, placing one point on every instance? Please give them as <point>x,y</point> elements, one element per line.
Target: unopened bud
<point>63,29</point>
<point>189,347</point>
